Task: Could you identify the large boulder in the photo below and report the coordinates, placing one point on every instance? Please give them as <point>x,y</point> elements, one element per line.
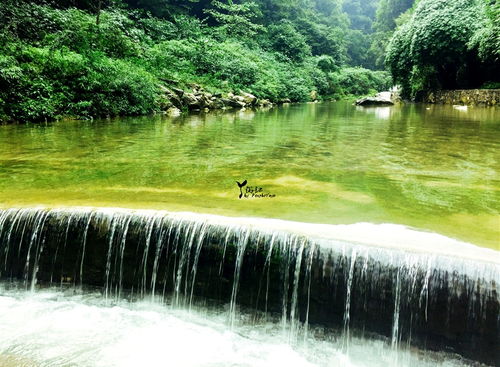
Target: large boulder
<point>173,112</point>
<point>191,101</point>
<point>178,91</point>
<point>264,103</point>
<point>171,96</point>
<point>313,96</point>
<point>248,98</point>
<point>381,99</point>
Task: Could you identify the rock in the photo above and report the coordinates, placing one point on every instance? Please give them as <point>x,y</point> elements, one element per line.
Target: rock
<point>164,103</point>
<point>173,112</point>
<point>234,101</point>
<point>191,101</point>
<point>374,101</point>
<point>285,100</point>
<point>172,97</point>
<point>238,104</point>
<point>248,98</point>
<point>264,103</point>
<point>218,95</point>
<point>195,87</point>
<point>178,91</point>
<point>384,95</point>
<point>204,100</point>
<point>226,102</point>
<point>240,99</point>
<point>217,104</point>
<point>313,96</point>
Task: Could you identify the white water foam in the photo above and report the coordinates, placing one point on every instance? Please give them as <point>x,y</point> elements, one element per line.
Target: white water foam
<point>53,328</point>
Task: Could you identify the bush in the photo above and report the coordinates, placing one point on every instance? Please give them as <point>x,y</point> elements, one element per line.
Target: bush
<point>116,87</point>
<point>42,84</point>
<point>359,81</point>
<point>326,64</point>
<point>284,38</point>
<point>438,47</point>
<point>230,66</point>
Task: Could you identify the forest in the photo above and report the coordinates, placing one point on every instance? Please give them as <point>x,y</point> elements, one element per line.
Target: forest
<point>97,58</point>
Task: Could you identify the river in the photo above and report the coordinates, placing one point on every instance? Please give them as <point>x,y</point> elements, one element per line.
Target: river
<point>430,167</point>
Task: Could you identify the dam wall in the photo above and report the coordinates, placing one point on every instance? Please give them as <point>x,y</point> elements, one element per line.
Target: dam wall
<point>436,301</point>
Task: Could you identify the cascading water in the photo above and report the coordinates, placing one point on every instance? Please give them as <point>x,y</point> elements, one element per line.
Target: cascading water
<point>263,268</point>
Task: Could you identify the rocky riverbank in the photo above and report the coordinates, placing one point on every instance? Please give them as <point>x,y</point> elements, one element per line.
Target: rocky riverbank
<point>175,100</point>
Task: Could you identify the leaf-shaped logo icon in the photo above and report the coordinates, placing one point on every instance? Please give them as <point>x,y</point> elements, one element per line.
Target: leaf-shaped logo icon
<point>240,185</point>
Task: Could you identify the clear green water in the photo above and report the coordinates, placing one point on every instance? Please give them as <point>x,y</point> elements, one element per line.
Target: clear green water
<point>429,167</point>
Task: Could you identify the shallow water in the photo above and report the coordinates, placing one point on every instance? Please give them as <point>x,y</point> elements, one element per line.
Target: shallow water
<point>55,328</point>
<point>430,167</point>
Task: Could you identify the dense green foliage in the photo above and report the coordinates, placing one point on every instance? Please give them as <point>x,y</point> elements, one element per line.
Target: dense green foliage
<point>389,13</point>
<point>445,45</point>
<point>112,57</point>
<point>97,58</point>
<point>358,38</point>
<point>487,37</point>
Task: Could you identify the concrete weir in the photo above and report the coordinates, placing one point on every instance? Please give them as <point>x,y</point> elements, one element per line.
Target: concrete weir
<point>414,288</point>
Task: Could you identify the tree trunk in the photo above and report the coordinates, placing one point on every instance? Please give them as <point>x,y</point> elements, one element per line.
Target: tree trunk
<point>98,15</point>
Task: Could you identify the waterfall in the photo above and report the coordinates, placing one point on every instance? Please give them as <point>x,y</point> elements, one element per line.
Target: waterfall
<point>438,301</point>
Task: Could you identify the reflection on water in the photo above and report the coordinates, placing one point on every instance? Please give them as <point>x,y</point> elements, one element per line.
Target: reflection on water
<point>431,167</point>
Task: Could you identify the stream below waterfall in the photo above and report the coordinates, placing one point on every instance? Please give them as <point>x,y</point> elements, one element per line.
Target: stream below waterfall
<point>53,327</point>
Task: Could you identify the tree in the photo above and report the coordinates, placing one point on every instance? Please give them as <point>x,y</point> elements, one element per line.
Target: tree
<point>358,49</point>
<point>361,13</point>
<point>432,50</point>
<point>487,38</point>
<point>285,39</point>
<point>236,19</point>
<point>387,15</point>
<point>358,37</point>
